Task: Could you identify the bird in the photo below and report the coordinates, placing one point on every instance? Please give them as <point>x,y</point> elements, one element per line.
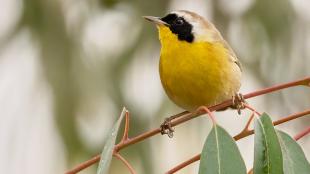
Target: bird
<point>197,66</point>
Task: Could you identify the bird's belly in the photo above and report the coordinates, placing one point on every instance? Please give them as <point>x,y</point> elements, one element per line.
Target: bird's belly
<point>192,79</point>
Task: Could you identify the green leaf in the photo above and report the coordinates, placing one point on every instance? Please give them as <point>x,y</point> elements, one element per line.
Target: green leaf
<point>294,160</point>
<point>107,152</point>
<point>267,150</point>
<point>220,154</point>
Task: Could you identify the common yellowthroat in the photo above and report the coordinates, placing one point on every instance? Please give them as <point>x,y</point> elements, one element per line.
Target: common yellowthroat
<point>197,66</point>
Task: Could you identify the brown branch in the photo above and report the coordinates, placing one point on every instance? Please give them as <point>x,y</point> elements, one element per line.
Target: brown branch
<point>247,126</point>
<point>184,164</point>
<point>188,116</point>
<point>302,133</point>
<point>84,165</point>
<point>130,168</point>
<point>244,133</point>
<point>126,129</point>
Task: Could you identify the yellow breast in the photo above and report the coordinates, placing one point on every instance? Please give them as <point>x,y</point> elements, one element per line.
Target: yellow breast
<point>198,73</point>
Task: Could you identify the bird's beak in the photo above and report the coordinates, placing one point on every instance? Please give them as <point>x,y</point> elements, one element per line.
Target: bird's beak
<point>156,20</point>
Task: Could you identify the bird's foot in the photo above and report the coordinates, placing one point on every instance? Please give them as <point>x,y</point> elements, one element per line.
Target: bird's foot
<point>238,102</point>
<point>166,127</point>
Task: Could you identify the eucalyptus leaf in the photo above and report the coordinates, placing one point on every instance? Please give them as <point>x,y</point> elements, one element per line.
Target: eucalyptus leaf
<point>220,154</point>
<point>267,150</point>
<point>294,160</point>
<point>107,152</point>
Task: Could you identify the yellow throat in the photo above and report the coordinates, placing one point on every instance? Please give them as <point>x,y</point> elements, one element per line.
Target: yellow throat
<point>197,73</point>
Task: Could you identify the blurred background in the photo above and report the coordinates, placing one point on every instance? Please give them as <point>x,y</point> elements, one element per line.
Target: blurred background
<point>68,67</point>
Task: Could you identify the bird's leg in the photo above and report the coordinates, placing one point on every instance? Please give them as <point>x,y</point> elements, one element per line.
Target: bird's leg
<point>238,102</point>
<point>166,127</point>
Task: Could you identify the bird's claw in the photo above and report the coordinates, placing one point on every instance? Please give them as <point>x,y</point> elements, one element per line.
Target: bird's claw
<point>166,128</point>
<point>238,102</point>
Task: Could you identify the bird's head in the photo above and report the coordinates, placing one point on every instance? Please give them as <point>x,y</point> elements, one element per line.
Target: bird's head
<point>185,26</point>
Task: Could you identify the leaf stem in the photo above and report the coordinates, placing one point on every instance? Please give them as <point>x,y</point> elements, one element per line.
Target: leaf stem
<point>252,109</point>
<point>204,109</point>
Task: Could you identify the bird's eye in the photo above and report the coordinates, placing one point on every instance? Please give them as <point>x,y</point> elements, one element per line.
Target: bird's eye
<point>179,21</point>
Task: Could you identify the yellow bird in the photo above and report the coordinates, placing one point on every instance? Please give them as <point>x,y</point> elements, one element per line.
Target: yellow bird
<point>197,66</point>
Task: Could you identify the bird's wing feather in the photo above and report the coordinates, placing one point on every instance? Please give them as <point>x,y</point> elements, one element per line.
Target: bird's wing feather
<point>232,54</point>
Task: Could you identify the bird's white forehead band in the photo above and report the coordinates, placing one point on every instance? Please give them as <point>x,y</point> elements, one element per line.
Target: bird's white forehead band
<point>183,14</point>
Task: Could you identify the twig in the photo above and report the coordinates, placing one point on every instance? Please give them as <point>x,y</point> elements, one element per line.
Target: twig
<point>184,164</point>
<point>84,165</point>
<point>247,125</point>
<point>188,116</point>
<point>118,156</point>
<point>126,129</point>
<point>302,133</point>
<point>244,133</point>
